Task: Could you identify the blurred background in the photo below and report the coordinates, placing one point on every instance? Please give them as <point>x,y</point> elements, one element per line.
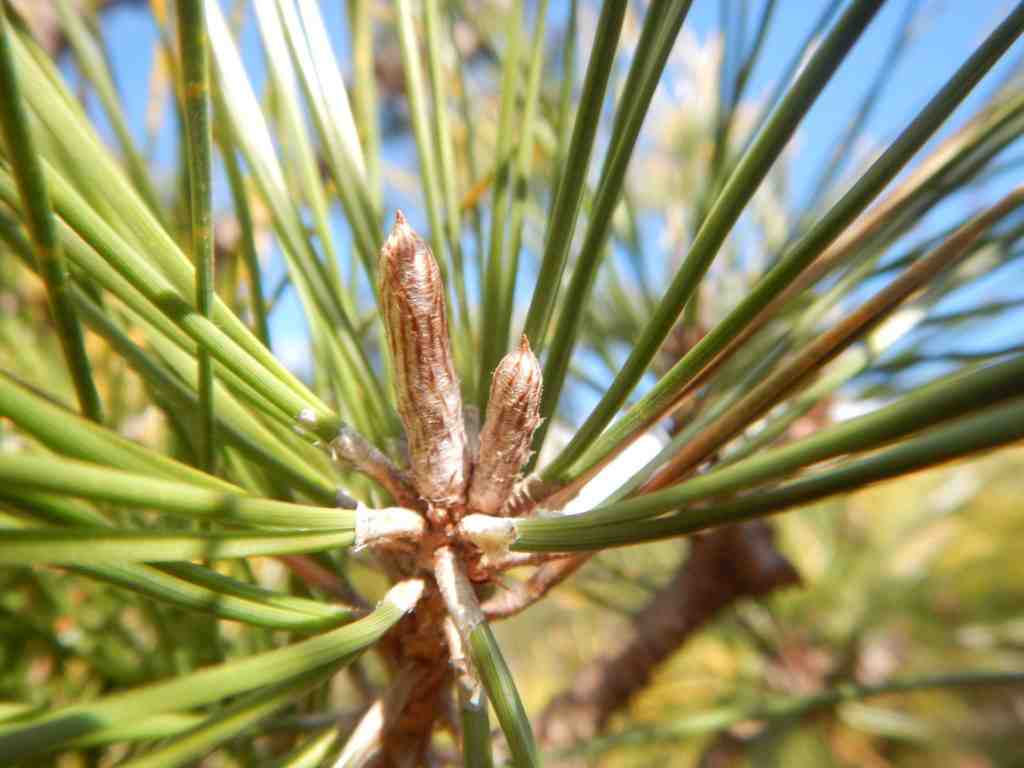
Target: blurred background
<point>915,579</point>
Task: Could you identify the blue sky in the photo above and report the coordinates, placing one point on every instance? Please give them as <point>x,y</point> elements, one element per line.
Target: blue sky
<point>947,31</point>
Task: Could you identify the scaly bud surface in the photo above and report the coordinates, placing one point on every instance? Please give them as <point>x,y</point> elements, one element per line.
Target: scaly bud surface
<point>426,387</point>
<point>513,413</point>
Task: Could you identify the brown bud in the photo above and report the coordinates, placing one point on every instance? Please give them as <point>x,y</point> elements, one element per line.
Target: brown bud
<point>426,387</point>
<point>513,413</point>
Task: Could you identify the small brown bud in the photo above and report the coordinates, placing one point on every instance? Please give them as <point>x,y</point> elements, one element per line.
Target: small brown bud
<point>513,413</point>
<point>426,387</point>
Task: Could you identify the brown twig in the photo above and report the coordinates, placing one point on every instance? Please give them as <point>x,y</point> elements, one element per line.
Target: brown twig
<point>723,567</point>
<point>521,559</point>
<point>417,643</point>
<point>543,580</point>
<point>352,448</point>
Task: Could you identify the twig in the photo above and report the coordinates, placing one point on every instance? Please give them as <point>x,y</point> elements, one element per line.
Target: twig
<point>724,567</point>
<point>522,559</point>
<point>543,580</point>
<point>351,447</point>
